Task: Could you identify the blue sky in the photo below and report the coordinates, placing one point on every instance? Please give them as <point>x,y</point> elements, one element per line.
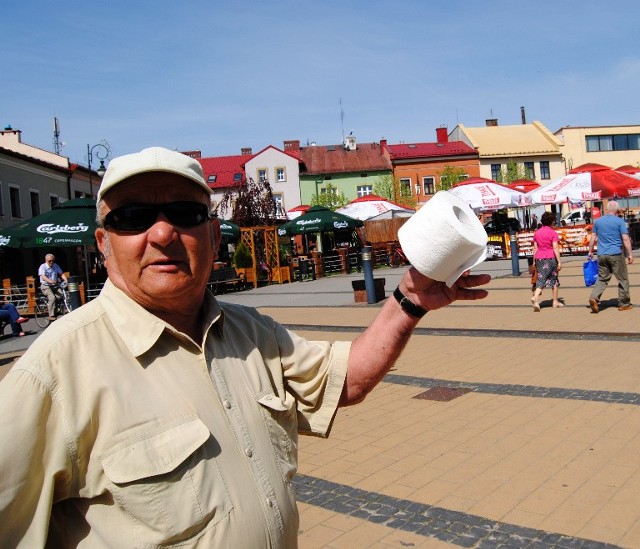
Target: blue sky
<point>218,76</point>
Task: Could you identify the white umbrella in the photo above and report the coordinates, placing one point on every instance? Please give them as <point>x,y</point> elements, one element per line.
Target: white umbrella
<point>586,182</point>
<point>370,206</point>
<point>486,194</point>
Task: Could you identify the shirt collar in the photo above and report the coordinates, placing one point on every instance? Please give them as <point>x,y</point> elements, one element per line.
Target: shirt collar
<point>139,329</point>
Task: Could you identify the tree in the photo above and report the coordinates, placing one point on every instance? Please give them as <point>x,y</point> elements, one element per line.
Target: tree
<point>449,176</point>
<point>511,172</point>
<point>331,198</point>
<point>389,187</point>
<point>251,204</point>
<point>386,186</point>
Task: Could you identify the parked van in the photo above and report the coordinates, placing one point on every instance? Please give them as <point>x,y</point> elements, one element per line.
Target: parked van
<point>576,217</point>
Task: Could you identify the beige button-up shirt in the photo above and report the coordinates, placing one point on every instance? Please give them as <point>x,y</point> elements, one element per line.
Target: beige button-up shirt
<point>118,431</point>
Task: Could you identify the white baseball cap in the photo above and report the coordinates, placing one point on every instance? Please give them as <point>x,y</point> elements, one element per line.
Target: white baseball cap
<point>153,159</point>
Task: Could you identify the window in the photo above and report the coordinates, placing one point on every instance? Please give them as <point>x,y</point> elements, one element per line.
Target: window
<point>326,190</point>
<point>619,142</point>
<point>429,184</point>
<point>212,178</point>
<point>237,176</point>
<point>544,170</point>
<point>327,177</point>
<point>14,196</point>
<point>280,176</point>
<point>496,172</point>
<point>529,170</point>
<point>35,203</point>
<point>278,207</point>
<point>54,200</point>
<point>262,175</point>
<point>405,186</point>
<point>364,190</point>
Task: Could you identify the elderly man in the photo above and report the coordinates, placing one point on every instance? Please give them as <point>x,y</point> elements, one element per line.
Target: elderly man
<point>50,275</point>
<point>613,245</point>
<point>156,416</point>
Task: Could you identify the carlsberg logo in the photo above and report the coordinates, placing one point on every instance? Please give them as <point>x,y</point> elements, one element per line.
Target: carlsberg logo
<point>52,228</point>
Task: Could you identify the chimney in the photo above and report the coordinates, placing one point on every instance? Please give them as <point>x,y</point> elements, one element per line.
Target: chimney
<point>383,145</point>
<point>490,122</point>
<point>442,134</point>
<point>246,151</point>
<point>523,116</point>
<point>292,145</point>
<point>193,154</point>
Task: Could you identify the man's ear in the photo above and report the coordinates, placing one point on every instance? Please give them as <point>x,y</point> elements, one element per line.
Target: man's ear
<point>102,240</point>
<point>216,236</point>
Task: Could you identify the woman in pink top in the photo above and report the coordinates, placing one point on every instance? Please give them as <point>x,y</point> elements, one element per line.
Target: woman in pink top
<point>546,252</point>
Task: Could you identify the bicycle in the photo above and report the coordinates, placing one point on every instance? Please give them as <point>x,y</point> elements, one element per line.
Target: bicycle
<point>41,309</point>
<point>397,257</point>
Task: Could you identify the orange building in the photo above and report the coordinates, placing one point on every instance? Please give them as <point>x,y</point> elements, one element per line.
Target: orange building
<point>419,166</point>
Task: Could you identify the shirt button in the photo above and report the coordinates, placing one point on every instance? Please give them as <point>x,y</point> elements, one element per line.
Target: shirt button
<point>248,452</point>
<point>269,502</point>
<point>227,404</point>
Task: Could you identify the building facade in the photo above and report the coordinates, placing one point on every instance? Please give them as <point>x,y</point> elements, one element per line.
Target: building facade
<point>419,166</point>
<point>611,146</point>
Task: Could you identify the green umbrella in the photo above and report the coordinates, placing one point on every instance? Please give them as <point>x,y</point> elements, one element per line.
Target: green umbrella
<point>230,231</point>
<point>318,219</point>
<point>71,223</point>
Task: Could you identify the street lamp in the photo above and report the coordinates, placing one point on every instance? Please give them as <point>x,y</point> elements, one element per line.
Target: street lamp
<point>100,148</point>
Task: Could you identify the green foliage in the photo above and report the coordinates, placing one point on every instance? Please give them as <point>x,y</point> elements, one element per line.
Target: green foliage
<point>448,177</point>
<point>251,204</point>
<point>242,256</point>
<point>511,172</point>
<point>331,198</point>
<point>389,187</point>
<point>385,186</point>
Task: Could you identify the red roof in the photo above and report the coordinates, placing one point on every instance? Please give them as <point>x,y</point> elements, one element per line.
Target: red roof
<point>430,150</point>
<point>221,172</point>
<point>321,159</point>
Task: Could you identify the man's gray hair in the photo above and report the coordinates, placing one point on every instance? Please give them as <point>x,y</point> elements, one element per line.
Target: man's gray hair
<point>613,206</point>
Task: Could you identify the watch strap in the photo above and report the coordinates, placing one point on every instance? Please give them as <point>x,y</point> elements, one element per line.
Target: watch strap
<point>407,305</point>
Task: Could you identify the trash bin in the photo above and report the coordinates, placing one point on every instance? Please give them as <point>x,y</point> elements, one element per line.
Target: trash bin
<point>73,288</point>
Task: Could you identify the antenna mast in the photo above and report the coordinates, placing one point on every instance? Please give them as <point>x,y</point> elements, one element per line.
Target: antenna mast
<point>57,146</point>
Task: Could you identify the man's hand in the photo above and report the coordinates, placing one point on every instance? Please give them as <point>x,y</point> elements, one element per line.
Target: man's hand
<point>431,294</point>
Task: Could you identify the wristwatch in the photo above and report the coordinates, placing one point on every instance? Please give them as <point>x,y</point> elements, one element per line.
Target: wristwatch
<point>407,305</point>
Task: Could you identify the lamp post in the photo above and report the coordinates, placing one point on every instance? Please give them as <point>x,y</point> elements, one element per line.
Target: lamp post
<point>98,147</point>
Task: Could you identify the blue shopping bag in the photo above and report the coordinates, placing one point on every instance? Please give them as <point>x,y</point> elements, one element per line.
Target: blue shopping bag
<point>590,271</point>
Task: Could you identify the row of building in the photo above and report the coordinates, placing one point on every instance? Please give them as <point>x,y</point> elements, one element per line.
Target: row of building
<point>33,180</point>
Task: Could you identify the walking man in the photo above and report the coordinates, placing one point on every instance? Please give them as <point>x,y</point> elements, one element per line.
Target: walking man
<point>613,245</point>
<point>50,275</point>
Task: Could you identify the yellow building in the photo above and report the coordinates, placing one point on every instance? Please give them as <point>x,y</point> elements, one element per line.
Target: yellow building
<point>612,146</point>
<point>532,146</point>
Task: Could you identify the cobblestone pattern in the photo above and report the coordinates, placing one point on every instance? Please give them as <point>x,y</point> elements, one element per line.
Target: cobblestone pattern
<point>453,527</point>
<point>518,390</point>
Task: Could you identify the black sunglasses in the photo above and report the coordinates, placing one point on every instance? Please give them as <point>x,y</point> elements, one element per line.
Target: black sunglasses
<point>137,218</point>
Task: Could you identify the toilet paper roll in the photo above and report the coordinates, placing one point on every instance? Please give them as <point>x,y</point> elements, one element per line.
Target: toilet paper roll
<point>444,238</point>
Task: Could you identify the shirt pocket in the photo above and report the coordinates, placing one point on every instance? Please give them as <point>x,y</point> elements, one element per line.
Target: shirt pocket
<point>282,424</point>
<point>168,481</point>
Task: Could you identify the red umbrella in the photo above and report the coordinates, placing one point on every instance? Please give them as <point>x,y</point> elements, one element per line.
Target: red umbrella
<point>628,169</point>
<point>610,183</point>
